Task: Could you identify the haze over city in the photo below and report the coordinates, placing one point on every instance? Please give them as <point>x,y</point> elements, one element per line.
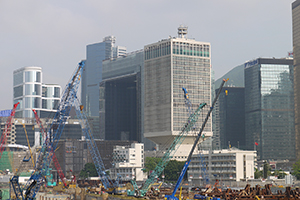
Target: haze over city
<point>53,35</point>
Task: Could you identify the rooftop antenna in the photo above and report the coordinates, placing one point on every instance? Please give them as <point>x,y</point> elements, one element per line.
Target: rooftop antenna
<point>182,31</point>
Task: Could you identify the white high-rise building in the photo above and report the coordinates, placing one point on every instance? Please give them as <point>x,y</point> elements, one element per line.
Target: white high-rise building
<point>171,64</point>
<point>33,94</point>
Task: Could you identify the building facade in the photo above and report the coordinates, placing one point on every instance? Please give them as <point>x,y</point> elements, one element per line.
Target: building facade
<point>128,162</point>
<point>225,165</point>
<point>296,55</point>
<point>31,93</point>
<point>230,118</point>
<point>92,74</point>
<point>269,108</point>
<point>171,64</point>
<point>121,98</point>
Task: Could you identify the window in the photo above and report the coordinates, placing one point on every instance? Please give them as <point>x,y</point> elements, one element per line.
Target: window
<point>18,91</point>
<point>18,78</point>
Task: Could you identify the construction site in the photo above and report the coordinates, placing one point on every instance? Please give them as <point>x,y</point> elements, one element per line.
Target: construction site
<point>27,172</point>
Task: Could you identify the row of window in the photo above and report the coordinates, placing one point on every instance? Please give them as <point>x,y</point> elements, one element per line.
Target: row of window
<point>35,89</point>
<point>30,76</point>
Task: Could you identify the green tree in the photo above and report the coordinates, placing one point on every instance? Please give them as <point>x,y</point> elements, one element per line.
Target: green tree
<point>296,169</point>
<point>89,170</point>
<point>258,174</point>
<point>171,171</point>
<point>150,163</point>
<point>266,170</point>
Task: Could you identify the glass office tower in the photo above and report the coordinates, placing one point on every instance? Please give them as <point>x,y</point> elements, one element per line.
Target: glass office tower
<point>92,74</point>
<point>269,108</point>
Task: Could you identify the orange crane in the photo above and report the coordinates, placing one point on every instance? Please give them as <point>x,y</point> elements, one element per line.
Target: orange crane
<point>54,158</point>
<point>7,129</point>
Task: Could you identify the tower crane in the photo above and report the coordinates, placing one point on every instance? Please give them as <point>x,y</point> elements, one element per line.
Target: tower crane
<point>185,167</point>
<point>169,153</point>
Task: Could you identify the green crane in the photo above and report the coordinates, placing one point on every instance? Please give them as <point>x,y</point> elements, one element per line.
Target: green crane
<point>168,155</point>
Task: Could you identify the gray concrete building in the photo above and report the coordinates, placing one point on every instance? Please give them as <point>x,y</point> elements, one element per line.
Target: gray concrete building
<point>171,64</point>
<point>121,99</point>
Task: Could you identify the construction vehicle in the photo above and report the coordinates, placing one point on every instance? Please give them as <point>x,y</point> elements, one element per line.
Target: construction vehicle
<point>68,100</point>
<point>167,156</point>
<point>185,167</point>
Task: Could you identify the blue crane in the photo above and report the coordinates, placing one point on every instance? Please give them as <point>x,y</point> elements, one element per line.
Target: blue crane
<point>37,178</point>
<point>69,99</point>
<point>186,165</point>
<point>108,184</point>
<point>189,109</point>
<point>170,152</point>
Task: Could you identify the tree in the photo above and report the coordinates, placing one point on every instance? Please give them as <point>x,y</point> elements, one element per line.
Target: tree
<point>258,174</point>
<point>296,169</point>
<point>89,170</point>
<point>171,171</point>
<point>150,163</point>
<point>266,170</point>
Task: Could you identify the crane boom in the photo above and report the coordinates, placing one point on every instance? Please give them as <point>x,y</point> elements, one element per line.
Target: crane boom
<point>55,161</point>
<point>107,183</point>
<point>52,138</point>
<point>185,167</point>
<point>171,150</point>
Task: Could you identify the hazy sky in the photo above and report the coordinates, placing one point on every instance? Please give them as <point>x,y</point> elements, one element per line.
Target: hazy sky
<point>54,34</point>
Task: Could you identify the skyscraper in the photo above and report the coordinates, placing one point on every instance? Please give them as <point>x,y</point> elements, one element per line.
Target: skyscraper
<point>296,52</point>
<point>269,108</point>
<point>92,74</point>
<point>171,64</point>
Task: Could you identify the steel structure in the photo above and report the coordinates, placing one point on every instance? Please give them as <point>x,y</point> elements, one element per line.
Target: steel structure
<point>52,137</point>
<point>54,158</point>
<point>108,184</point>
<point>189,109</point>
<point>185,167</point>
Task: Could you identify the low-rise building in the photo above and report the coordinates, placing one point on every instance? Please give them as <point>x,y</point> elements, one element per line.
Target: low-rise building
<point>128,162</point>
<point>226,165</point>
